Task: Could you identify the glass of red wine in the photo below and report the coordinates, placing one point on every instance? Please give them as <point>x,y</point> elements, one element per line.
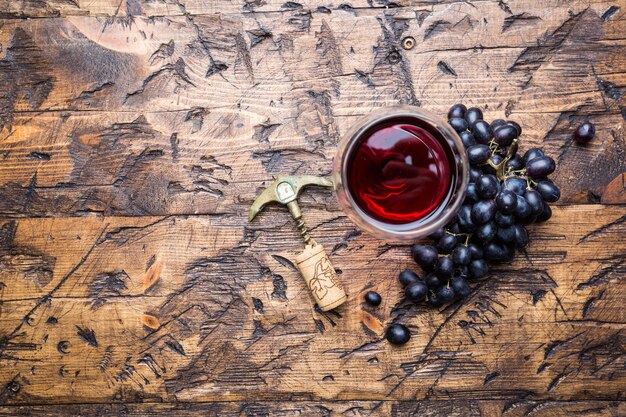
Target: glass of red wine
<point>400,173</point>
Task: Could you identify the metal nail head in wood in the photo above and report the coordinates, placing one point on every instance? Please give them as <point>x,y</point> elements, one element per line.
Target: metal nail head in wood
<point>313,262</point>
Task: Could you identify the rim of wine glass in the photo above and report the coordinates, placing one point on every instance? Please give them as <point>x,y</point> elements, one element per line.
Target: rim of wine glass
<point>420,228</point>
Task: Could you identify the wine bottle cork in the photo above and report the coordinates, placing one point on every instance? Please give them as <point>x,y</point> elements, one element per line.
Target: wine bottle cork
<point>320,277</point>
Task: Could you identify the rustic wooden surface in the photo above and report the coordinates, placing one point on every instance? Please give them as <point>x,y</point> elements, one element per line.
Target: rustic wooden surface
<point>134,135</point>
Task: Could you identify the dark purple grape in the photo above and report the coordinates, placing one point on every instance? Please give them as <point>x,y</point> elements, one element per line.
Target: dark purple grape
<point>454,228</point>
<point>494,160</point>
<point>487,186</point>
<point>532,153</point>
<point>447,243</point>
<point>397,334</point>
<point>478,268</point>
<point>483,211</point>
<point>464,217</point>
<point>433,300</point>
<point>516,126</point>
<point>515,184</point>
<point>437,234</point>
<point>458,110</point>
<point>506,200</point>
<point>408,277</point>
<point>497,123</point>
<point>504,220</point>
<point>432,281</point>
<point>445,293</point>
<point>506,234</point>
<point>535,202</point>
<point>472,115</point>
<point>482,131</point>
<point>444,268</point>
<point>476,251</point>
<point>486,232</point>
<point>549,192</point>
<point>515,163</point>
<point>504,135</point>
<point>458,124</point>
<point>416,292</point>
<point>478,154</point>
<point>460,287</point>
<point>545,214</point>
<point>471,194</point>
<point>475,173</point>
<point>584,133</point>
<point>540,167</point>
<point>496,251</point>
<point>467,138</point>
<point>523,209</point>
<point>373,298</point>
<point>461,255</point>
<point>521,236</point>
<point>425,256</point>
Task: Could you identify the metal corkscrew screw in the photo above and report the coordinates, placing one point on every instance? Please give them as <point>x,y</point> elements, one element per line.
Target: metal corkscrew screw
<point>313,263</point>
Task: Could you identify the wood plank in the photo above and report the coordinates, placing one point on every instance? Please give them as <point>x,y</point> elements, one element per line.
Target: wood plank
<point>449,408</point>
<point>208,308</point>
<point>168,113</point>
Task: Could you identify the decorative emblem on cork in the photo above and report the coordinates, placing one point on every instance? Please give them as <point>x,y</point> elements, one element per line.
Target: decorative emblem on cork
<point>313,263</point>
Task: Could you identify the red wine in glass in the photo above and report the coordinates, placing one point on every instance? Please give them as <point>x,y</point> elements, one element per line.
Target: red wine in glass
<point>400,171</point>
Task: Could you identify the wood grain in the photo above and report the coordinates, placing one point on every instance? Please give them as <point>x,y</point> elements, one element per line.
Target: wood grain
<point>134,135</point>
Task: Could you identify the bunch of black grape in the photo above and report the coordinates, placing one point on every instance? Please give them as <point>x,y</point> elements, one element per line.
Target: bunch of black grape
<point>506,193</point>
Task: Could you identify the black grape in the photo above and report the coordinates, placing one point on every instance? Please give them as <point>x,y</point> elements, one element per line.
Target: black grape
<point>483,211</point>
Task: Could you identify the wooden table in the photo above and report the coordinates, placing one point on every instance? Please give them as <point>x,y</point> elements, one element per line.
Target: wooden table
<point>135,134</point>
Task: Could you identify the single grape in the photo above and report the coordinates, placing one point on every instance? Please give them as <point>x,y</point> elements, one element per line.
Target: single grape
<point>447,243</point>
<point>397,334</point>
<point>464,217</point>
<point>506,200</point>
<point>445,293</point>
<point>460,287</point>
<point>433,300</point>
<point>475,173</point>
<point>585,133</point>
<point>432,281</point>
<point>487,186</point>
<point>482,131</point>
<point>497,123</point>
<point>506,234</point>
<point>548,190</point>
<point>408,277</point>
<point>515,184</point>
<point>534,201</point>
<point>486,232</point>
<point>471,193</point>
<point>483,211</point>
<point>478,268</point>
<point>461,255</point>
<point>532,153</point>
<point>540,167</point>
<point>504,220</point>
<point>467,138</point>
<point>521,236</point>
<point>504,135</point>
<point>516,126</point>
<point>476,251</point>
<point>458,124</point>
<point>373,298</point>
<point>444,268</point>
<point>478,154</point>
<point>523,209</point>
<point>425,256</point>
<point>458,110</point>
<point>454,228</point>
<point>515,163</point>
<point>472,115</point>
<point>545,214</point>
<point>416,292</point>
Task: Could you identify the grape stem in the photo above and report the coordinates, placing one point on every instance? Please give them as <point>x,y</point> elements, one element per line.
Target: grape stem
<point>500,167</point>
